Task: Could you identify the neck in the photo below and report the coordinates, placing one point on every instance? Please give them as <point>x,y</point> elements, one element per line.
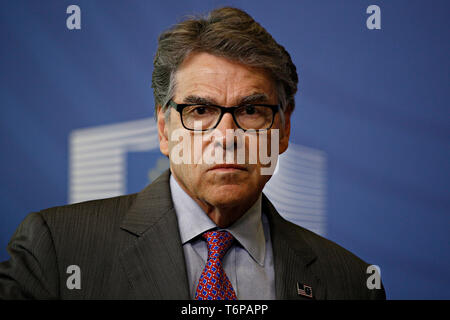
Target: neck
<point>225,216</point>
<point>222,215</point>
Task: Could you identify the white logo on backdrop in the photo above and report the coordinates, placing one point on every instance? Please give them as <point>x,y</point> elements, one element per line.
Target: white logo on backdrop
<point>98,169</point>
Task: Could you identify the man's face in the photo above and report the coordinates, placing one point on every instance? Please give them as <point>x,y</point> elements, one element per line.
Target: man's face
<point>222,82</point>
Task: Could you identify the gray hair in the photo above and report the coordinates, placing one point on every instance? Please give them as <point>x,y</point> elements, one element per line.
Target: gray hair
<point>230,33</point>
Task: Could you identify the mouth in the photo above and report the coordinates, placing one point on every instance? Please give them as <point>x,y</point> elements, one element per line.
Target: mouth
<point>227,168</point>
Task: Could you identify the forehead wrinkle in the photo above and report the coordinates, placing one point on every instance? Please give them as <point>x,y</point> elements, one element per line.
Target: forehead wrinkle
<point>193,86</point>
<point>228,94</point>
<point>225,86</point>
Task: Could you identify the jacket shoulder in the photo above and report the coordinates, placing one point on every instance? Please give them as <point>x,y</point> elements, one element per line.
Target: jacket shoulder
<point>102,212</point>
<point>324,247</point>
<point>345,273</point>
<point>88,230</point>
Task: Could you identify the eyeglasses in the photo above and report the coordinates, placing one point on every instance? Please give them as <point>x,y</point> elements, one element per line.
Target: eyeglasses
<point>247,117</point>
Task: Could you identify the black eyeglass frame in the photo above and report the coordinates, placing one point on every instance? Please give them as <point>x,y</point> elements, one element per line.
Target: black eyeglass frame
<point>180,106</point>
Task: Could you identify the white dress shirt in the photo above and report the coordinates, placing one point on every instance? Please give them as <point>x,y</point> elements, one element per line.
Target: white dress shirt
<point>248,263</point>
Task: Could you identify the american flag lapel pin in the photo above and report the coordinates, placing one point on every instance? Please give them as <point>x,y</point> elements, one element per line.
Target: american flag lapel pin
<point>304,290</point>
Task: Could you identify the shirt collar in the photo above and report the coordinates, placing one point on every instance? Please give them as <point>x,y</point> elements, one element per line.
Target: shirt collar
<point>192,222</point>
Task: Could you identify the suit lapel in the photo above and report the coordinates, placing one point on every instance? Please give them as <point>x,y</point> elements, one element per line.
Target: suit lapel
<point>293,258</point>
<point>155,263</point>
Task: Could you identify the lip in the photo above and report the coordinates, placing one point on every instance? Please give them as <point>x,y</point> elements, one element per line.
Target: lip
<point>227,167</point>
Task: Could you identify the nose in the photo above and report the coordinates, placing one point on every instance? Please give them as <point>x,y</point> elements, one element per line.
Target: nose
<point>226,123</point>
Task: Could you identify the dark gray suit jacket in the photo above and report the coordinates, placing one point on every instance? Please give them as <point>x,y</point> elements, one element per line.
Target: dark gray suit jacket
<point>129,247</point>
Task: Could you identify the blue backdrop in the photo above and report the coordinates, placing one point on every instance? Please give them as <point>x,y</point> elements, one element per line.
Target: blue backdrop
<point>376,102</point>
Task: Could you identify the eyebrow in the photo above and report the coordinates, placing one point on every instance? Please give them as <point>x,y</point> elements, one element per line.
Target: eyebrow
<point>253,98</point>
<point>199,100</point>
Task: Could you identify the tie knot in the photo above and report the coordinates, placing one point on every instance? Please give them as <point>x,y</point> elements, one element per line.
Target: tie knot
<point>218,243</point>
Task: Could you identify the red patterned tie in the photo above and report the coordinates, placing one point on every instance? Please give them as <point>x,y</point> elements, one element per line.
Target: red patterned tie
<point>214,283</point>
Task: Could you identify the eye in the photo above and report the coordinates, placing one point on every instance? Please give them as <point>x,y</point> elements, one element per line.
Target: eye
<point>250,109</point>
<point>200,110</point>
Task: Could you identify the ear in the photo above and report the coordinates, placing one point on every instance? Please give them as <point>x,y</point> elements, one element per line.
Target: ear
<point>286,131</point>
<point>163,132</point>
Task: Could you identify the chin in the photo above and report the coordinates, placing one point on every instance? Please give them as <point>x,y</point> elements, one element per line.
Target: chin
<point>230,195</point>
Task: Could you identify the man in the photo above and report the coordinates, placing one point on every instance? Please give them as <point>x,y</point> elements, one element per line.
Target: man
<point>202,230</point>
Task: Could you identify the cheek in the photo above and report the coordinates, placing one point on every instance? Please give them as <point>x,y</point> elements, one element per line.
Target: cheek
<point>268,144</point>
<point>187,176</point>
<point>182,159</point>
<point>201,147</point>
